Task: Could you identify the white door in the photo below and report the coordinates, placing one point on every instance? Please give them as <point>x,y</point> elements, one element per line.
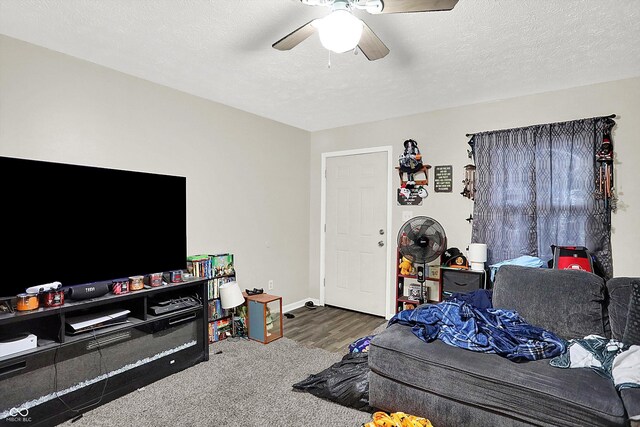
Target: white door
<point>356,234</point>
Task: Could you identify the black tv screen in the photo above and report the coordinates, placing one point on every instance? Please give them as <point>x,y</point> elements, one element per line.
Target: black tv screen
<point>78,224</point>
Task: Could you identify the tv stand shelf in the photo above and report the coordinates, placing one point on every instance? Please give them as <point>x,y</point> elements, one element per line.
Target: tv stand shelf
<point>140,351</point>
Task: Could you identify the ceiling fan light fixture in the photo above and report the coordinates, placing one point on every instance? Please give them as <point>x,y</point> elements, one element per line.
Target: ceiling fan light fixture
<point>339,31</point>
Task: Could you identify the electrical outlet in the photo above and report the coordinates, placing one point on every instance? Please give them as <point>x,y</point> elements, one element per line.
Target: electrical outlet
<point>407,215</point>
<point>270,284</point>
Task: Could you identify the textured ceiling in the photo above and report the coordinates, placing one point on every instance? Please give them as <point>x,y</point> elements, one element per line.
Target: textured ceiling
<point>483,50</point>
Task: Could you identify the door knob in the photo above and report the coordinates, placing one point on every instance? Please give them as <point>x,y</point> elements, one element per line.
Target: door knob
<point>380,243</point>
<point>381,231</point>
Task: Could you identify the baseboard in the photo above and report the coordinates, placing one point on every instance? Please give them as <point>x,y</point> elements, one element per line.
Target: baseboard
<point>290,307</point>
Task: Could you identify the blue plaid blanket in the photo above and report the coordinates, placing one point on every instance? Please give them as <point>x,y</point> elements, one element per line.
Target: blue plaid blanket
<point>487,330</point>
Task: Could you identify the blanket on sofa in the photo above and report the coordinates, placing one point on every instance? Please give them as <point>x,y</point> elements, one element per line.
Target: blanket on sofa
<point>488,330</point>
<point>610,358</point>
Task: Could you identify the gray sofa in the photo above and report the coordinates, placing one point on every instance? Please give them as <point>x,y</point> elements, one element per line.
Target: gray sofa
<point>457,387</point>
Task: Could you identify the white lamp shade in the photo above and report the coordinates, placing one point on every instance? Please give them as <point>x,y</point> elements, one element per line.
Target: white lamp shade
<point>339,31</point>
<point>477,252</point>
<point>231,295</point>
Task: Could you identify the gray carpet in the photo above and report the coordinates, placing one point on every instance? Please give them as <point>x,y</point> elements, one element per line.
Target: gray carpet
<point>248,384</point>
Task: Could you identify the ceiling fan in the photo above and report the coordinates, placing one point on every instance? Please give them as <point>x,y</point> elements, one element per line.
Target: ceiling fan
<point>341,31</point>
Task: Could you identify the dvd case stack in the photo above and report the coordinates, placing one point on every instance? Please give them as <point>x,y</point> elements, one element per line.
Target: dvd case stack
<point>200,266</point>
<point>214,285</point>
<point>210,266</point>
<point>219,329</point>
<point>216,311</point>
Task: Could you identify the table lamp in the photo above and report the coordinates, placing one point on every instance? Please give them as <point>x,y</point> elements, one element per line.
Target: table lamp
<point>230,298</point>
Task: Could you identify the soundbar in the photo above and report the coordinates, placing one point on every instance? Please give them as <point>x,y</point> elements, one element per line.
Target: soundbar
<point>86,291</point>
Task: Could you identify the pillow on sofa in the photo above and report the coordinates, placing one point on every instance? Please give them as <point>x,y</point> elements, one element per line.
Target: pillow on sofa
<point>632,329</point>
<point>568,303</point>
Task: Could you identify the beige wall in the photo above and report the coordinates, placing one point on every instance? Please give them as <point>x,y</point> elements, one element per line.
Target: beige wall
<point>254,184</point>
<point>247,194</point>
<point>441,137</point>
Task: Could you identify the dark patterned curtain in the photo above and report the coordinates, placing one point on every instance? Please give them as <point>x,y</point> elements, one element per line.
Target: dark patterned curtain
<point>536,188</point>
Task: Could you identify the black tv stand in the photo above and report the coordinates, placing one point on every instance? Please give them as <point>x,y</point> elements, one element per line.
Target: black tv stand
<point>68,371</point>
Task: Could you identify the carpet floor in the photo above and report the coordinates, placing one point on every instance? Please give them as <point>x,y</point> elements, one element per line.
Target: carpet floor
<point>248,384</point>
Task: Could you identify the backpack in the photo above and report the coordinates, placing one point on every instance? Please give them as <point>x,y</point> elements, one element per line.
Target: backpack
<point>572,258</point>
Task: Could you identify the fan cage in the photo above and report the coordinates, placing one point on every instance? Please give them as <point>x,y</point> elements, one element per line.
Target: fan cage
<point>421,240</point>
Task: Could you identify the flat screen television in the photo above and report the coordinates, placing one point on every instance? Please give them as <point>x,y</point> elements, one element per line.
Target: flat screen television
<point>78,224</point>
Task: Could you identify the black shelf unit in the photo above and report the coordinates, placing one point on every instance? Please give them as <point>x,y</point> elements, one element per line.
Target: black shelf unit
<point>144,349</point>
<point>213,284</point>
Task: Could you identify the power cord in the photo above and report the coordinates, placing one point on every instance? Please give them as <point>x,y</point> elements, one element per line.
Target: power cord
<point>79,410</point>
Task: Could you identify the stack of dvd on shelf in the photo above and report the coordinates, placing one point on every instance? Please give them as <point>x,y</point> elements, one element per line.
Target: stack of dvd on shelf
<point>214,285</point>
<point>210,266</point>
<point>200,266</point>
<point>219,329</point>
<point>216,311</point>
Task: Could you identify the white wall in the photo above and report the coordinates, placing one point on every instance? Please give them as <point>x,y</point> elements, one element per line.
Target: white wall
<point>250,187</point>
<point>247,177</point>
<point>441,137</point>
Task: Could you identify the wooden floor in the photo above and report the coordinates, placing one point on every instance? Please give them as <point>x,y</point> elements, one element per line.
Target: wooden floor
<point>329,328</point>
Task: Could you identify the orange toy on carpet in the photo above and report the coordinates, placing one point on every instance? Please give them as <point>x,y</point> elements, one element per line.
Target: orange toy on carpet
<point>397,419</point>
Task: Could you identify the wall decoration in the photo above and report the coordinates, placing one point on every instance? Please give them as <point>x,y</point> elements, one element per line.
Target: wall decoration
<point>412,196</point>
<point>411,160</point>
<point>604,175</point>
<point>469,182</point>
<point>410,164</point>
<point>443,179</point>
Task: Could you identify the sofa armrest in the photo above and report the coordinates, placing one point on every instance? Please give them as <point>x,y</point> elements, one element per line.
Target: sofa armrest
<point>631,399</point>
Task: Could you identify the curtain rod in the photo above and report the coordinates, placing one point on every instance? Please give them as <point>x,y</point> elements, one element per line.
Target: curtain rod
<point>610,116</point>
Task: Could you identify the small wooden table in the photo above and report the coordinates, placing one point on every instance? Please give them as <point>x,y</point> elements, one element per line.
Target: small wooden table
<point>264,317</point>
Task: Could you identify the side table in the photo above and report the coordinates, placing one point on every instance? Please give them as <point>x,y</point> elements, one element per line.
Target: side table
<point>264,317</point>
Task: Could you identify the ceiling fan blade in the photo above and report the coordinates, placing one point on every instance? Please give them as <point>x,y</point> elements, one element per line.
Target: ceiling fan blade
<point>371,45</point>
<point>296,37</point>
<point>408,6</point>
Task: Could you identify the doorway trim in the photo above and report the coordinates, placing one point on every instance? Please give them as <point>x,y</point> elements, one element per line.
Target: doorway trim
<point>323,217</point>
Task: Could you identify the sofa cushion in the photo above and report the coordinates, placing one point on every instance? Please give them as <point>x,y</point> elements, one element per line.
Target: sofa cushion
<point>619,290</point>
<point>533,392</point>
<point>569,303</point>
<point>391,396</point>
<point>631,399</point>
<point>632,329</point>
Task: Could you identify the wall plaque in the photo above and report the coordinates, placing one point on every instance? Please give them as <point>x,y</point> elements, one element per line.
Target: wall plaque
<point>412,197</point>
<point>443,179</point>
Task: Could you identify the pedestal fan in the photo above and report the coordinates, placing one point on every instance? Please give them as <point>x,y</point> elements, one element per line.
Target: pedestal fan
<point>421,240</point>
